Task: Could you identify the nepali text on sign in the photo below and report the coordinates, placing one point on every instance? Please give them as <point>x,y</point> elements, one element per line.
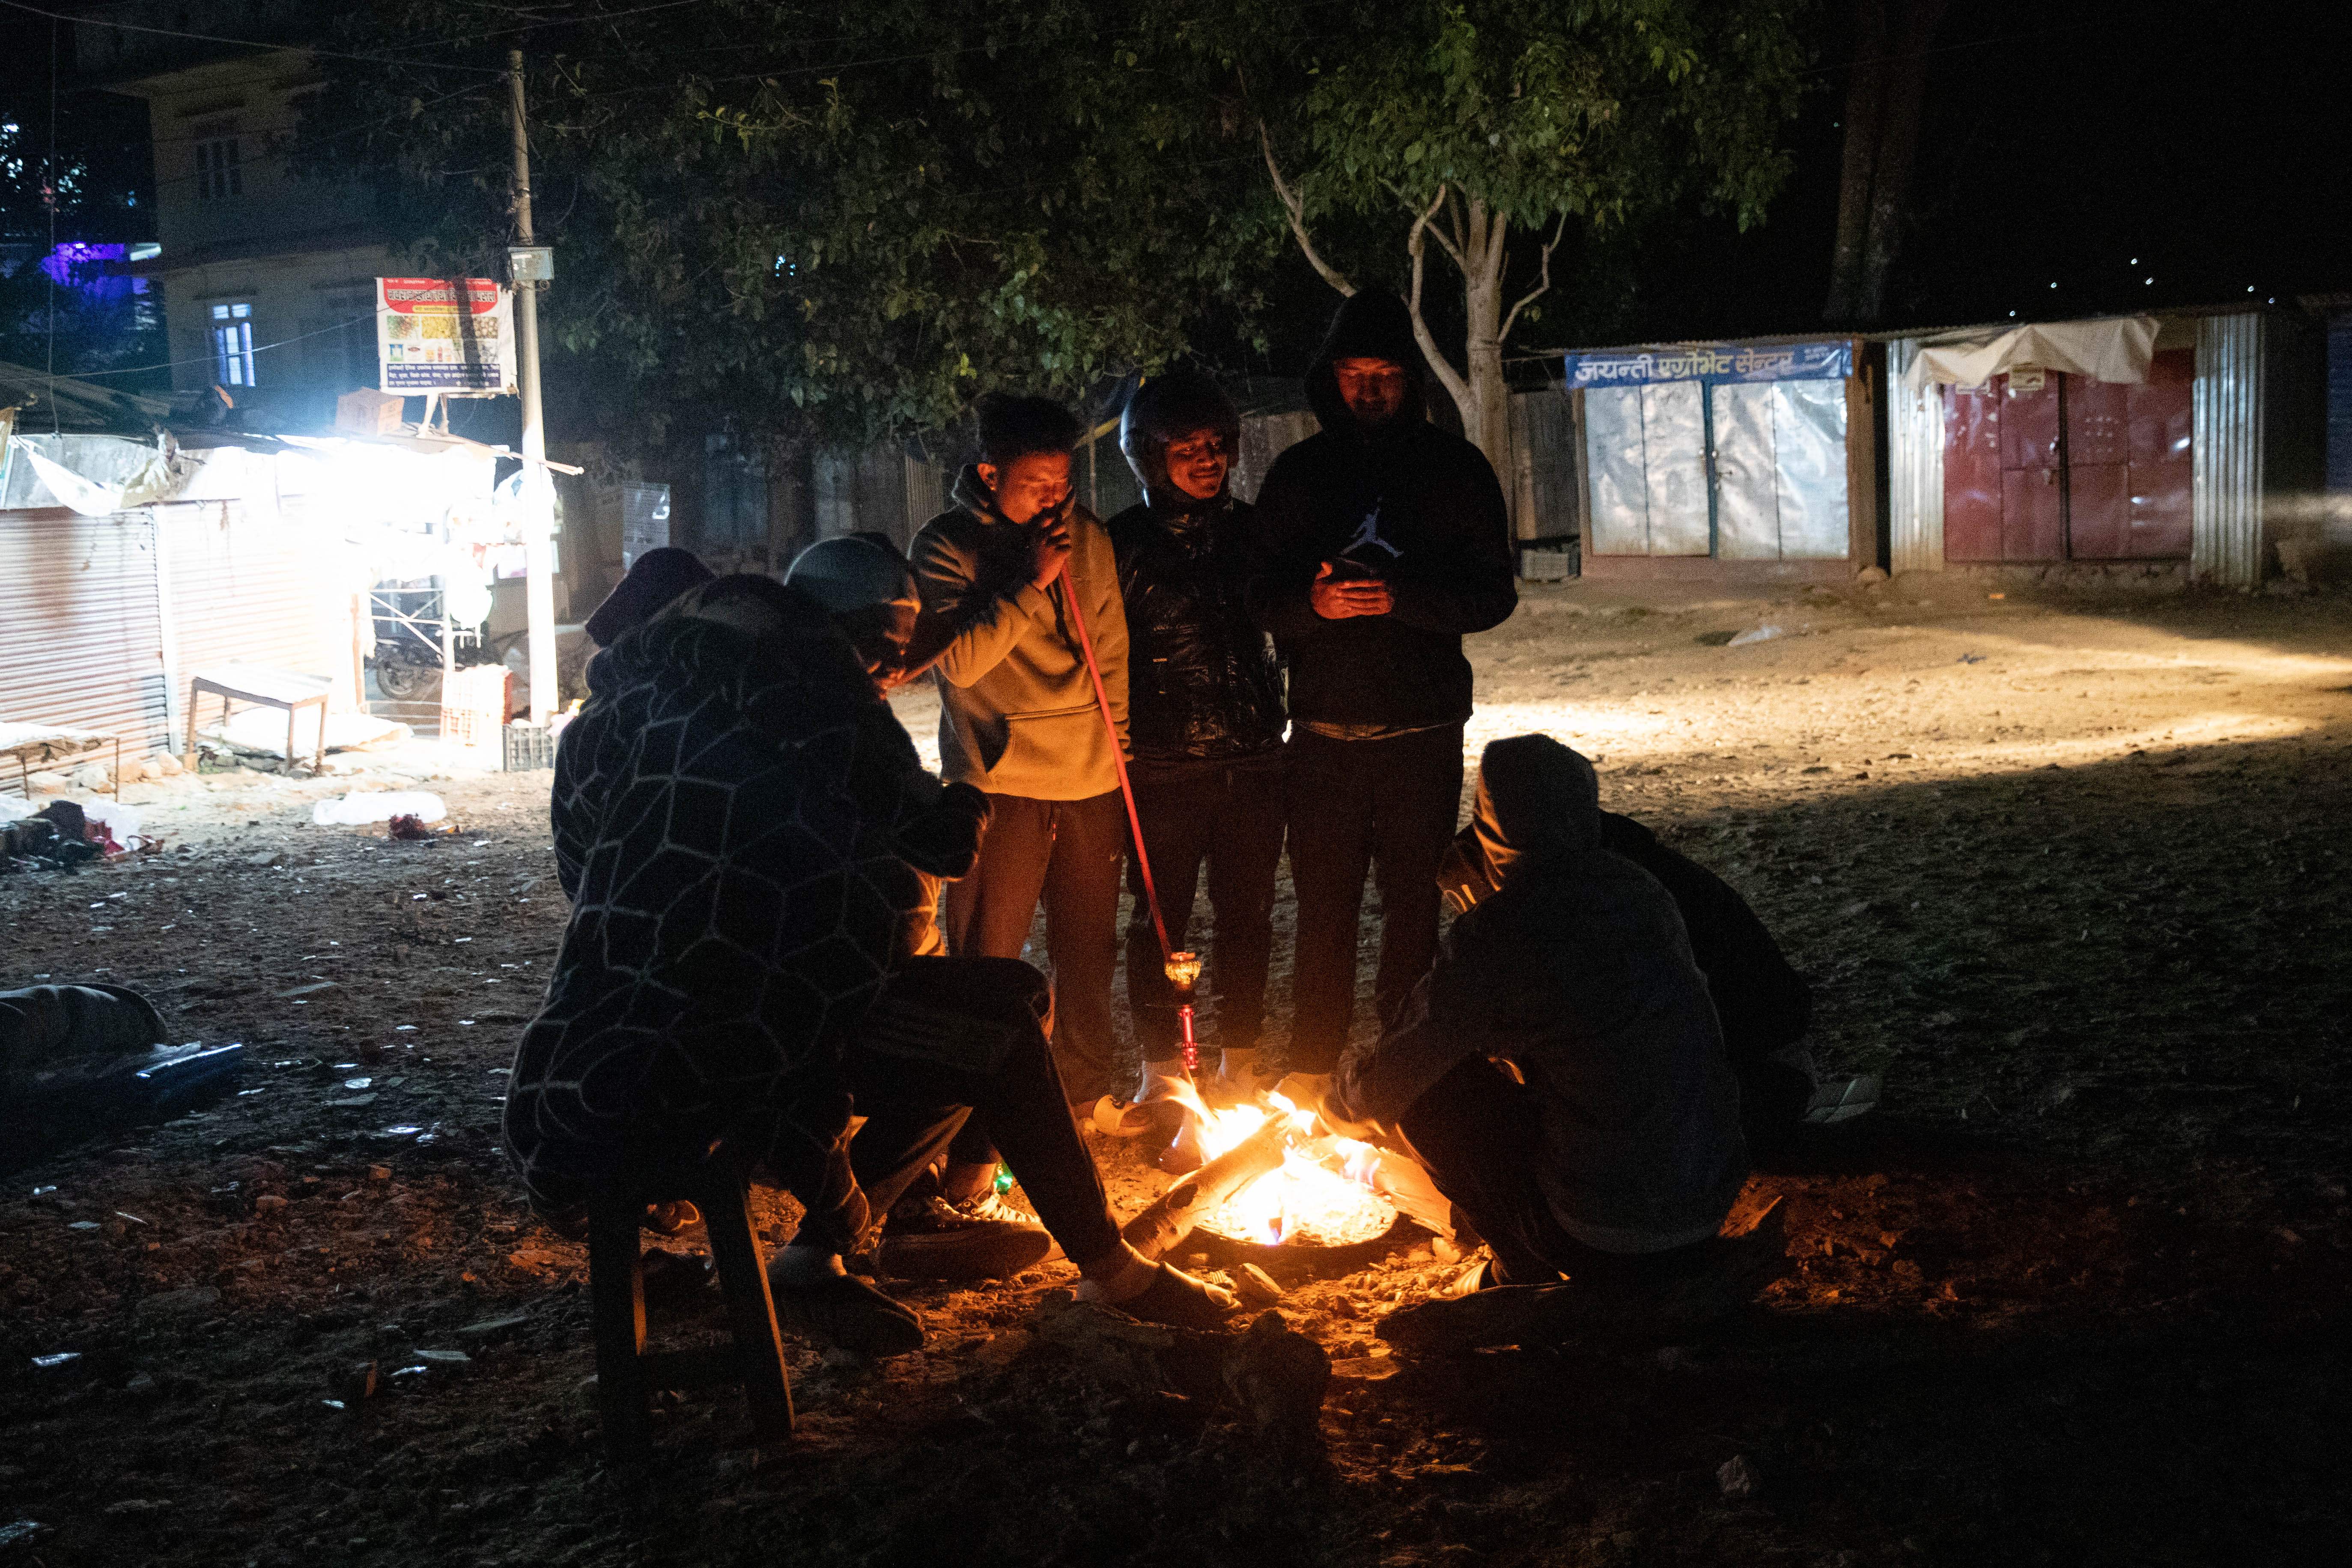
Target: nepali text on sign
<point>444,334</point>
<point>1814,361</point>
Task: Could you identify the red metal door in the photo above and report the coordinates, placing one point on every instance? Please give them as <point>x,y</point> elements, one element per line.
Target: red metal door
<point>2032,509</point>
<point>1971,474</point>
<point>2032,515</point>
<point>2157,449</point>
<point>2098,505</point>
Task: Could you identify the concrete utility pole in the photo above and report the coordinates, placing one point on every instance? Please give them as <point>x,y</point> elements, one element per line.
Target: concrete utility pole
<point>538,490</point>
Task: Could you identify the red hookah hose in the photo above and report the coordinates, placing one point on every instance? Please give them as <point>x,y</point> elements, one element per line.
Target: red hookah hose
<point>1127,792</point>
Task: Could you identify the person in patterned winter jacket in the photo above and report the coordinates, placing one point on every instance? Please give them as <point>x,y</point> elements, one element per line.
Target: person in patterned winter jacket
<point>744,830</point>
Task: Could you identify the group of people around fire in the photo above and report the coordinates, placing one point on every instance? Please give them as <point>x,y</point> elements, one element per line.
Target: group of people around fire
<point>761,967</point>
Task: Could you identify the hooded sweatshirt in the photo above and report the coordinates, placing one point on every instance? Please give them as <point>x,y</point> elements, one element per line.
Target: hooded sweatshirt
<point>745,832</point>
<point>1404,500</point>
<point>1017,711</point>
<point>1577,970</point>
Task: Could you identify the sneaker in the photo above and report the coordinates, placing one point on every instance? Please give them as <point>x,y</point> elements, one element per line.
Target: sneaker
<point>1113,1117</point>
<point>983,1238</point>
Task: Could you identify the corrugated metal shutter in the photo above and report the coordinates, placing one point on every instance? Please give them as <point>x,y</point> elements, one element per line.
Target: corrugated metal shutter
<point>1915,466</point>
<point>80,644</point>
<point>244,590</point>
<point>2225,452</point>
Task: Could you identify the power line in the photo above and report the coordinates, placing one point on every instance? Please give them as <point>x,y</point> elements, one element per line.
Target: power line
<point>57,16</point>
<point>208,359</point>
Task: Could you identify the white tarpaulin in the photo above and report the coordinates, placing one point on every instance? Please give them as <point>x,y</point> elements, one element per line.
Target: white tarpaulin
<point>94,475</point>
<point>2116,349</point>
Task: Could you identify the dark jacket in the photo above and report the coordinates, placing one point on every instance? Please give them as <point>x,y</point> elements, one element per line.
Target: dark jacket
<point>1763,1004</point>
<point>1201,685</point>
<point>1577,970</point>
<point>1407,501</point>
<point>743,827</point>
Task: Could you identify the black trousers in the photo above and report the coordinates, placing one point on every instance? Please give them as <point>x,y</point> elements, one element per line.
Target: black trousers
<point>1479,1134</point>
<point>1384,806</point>
<point>951,1040</point>
<point>1068,851</point>
<point>1229,820</point>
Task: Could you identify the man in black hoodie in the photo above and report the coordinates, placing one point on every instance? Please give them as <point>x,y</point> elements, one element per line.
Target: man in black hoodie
<point>1205,714</point>
<point>1386,540</point>
<point>1560,1070</point>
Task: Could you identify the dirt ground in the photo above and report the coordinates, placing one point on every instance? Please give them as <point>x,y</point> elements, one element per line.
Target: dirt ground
<point>2069,872</point>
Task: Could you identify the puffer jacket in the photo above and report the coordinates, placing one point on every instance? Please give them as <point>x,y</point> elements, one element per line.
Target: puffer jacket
<point>1203,686</point>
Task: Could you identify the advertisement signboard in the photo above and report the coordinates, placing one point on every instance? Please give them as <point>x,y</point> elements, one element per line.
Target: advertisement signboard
<point>1714,364</point>
<point>444,334</point>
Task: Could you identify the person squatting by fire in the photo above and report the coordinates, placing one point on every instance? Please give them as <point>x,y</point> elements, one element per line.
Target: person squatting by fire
<point>755,856</point>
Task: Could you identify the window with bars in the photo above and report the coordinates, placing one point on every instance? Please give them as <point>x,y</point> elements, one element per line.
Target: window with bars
<point>233,344</point>
<point>218,174</point>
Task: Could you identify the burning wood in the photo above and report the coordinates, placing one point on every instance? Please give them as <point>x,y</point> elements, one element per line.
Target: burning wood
<point>1182,1206</point>
<point>1273,1175</point>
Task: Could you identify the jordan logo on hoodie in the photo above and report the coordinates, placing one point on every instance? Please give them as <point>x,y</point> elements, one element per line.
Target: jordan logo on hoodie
<point>1368,532</point>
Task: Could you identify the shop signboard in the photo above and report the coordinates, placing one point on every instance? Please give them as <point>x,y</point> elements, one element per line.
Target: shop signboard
<point>444,334</point>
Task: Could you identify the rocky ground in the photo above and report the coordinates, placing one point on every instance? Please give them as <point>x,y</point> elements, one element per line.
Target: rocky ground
<point>2070,872</point>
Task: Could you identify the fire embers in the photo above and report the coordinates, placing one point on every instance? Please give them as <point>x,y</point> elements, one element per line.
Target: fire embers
<point>1318,1191</point>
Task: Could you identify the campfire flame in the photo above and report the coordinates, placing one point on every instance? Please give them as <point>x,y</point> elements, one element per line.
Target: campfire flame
<point>1323,1190</point>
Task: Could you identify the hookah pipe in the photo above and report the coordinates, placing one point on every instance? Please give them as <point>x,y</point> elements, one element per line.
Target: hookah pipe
<point>1183,969</point>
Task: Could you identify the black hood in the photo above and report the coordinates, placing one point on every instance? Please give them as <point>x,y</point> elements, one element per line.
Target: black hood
<point>1538,801</point>
<point>1164,409</point>
<point>654,580</point>
<point>748,642</point>
<point>1373,324</point>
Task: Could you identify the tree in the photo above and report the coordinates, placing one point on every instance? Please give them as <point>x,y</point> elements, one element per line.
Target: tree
<point>848,217</point>
<point>1882,139</point>
<point>1487,127</point>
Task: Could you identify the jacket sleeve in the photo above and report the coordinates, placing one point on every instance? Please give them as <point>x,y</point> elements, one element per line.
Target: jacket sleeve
<point>1107,623</point>
<point>978,624</point>
<point>573,813</point>
<point>1287,556</point>
<point>1476,588</point>
<point>1449,1017</point>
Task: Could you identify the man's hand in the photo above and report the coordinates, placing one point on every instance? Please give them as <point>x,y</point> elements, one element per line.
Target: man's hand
<point>1049,547</point>
<point>1338,598</point>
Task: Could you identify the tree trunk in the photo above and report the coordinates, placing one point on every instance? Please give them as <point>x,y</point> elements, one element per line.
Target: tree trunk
<point>1898,142</point>
<point>1864,96</point>
<point>1477,242</point>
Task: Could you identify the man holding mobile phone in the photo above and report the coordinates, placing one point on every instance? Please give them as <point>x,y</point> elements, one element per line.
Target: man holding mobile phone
<point>1386,540</point>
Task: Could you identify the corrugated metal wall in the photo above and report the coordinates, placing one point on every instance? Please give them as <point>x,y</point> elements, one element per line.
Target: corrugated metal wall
<point>2226,452</point>
<point>243,591</point>
<point>1543,453</point>
<point>80,644</point>
<point>1915,466</point>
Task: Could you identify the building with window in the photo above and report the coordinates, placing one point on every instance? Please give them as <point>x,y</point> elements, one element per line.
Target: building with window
<point>266,281</point>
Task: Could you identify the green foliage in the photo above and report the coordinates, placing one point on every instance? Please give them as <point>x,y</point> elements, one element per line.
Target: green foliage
<point>853,217</point>
<point>1598,112</point>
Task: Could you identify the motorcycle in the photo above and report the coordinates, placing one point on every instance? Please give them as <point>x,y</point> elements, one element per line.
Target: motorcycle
<point>407,661</point>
